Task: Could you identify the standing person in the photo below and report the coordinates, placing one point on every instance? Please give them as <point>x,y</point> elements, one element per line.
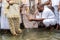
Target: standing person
<point>55,4</point>
<point>59,14</point>
<point>0,6</point>
<point>0,11</point>
<point>14,16</point>
<point>4,20</point>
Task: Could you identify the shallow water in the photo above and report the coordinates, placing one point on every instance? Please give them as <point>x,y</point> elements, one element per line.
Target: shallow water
<point>33,34</point>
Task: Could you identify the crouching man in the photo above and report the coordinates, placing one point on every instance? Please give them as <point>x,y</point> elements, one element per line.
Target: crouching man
<point>45,16</point>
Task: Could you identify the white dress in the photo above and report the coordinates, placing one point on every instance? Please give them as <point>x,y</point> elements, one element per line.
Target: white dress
<point>4,20</point>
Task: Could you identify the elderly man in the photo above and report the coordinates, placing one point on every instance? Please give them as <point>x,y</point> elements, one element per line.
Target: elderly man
<point>45,16</point>
<point>59,13</point>
<point>0,6</point>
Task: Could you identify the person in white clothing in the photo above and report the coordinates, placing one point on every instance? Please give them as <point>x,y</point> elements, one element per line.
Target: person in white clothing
<point>4,20</point>
<point>27,23</point>
<point>0,12</point>
<point>59,16</point>
<point>55,4</point>
<point>45,16</point>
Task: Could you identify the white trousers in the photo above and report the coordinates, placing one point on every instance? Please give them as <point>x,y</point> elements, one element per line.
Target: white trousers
<point>48,22</point>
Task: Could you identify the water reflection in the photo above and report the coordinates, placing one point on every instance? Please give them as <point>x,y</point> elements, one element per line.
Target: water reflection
<point>33,34</point>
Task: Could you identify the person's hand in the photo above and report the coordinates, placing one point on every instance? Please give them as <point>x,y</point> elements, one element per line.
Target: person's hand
<point>30,18</point>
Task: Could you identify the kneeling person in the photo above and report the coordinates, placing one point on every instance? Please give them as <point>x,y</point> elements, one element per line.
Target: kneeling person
<point>45,16</point>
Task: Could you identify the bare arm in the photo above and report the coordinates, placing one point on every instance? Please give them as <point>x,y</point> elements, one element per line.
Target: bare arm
<point>41,19</point>
<point>48,2</point>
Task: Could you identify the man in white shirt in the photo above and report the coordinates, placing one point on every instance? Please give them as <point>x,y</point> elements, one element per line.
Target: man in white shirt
<point>45,15</point>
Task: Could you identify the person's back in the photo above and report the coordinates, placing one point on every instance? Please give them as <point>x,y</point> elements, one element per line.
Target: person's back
<point>48,13</point>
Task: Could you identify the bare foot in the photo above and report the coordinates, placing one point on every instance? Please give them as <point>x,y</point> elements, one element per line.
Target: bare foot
<point>14,34</point>
<point>19,31</point>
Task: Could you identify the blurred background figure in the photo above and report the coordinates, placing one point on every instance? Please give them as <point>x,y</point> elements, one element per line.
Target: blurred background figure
<point>4,20</point>
<point>55,4</point>
<point>0,6</point>
<point>59,14</point>
<point>0,12</point>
